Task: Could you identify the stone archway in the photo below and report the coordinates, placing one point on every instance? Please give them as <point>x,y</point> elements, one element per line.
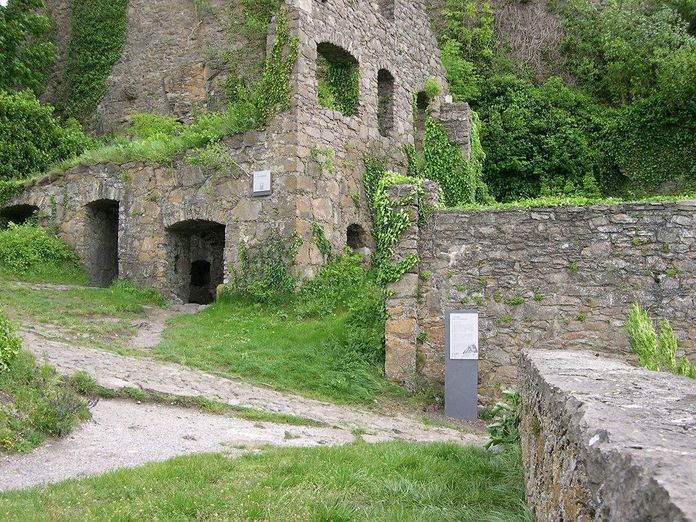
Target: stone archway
<point>101,241</point>
<point>195,250</point>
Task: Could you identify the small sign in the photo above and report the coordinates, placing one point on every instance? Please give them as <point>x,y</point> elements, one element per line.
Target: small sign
<point>262,183</point>
<point>464,335</point>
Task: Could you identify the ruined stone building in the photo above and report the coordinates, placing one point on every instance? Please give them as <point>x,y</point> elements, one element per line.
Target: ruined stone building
<point>178,228</point>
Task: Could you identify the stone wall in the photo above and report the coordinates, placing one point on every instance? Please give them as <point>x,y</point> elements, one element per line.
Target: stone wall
<point>602,440</point>
<point>549,277</point>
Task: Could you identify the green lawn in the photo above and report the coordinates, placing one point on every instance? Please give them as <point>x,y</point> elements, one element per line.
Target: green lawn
<point>394,481</point>
<point>270,344</point>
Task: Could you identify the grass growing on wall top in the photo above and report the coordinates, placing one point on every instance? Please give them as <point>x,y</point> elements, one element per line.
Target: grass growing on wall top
<point>362,482</point>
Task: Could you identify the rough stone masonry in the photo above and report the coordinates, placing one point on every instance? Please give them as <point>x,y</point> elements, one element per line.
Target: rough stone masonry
<point>602,440</point>
<point>546,277</point>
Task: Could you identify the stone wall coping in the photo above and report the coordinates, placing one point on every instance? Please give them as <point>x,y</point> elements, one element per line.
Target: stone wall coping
<point>635,428</point>
<point>684,204</point>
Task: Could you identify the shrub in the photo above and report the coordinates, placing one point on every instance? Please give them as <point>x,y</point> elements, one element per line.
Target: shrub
<point>655,352</point>
<point>31,138</point>
<point>10,341</point>
<point>265,269</point>
<point>24,248</point>
<point>506,416</point>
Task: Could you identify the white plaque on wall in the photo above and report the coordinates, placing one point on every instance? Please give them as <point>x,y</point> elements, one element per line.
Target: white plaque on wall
<point>262,183</point>
<point>464,335</point>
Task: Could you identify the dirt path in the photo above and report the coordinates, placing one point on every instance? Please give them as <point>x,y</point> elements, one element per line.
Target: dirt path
<point>124,434</point>
<point>150,330</point>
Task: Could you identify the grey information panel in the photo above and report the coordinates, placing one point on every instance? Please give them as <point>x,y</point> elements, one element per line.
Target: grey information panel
<point>461,364</point>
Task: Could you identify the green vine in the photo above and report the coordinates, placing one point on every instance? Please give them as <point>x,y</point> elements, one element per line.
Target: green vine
<point>388,221</point>
<point>461,180</point>
<point>98,33</point>
<point>323,244</point>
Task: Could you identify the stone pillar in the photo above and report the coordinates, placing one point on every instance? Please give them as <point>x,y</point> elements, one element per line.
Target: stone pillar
<point>457,122</point>
<point>401,329</point>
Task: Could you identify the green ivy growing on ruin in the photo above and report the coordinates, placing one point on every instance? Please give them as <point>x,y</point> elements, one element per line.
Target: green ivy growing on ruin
<point>388,221</point>
<point>323,244</point>
<point>98,34</point>
<point>461,180</point>
<point>9,189</point>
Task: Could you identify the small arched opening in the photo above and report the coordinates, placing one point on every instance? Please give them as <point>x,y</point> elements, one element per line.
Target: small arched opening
<point>338,79</point>
<point>101,241</point>
<point>356,238</point>
<point>18,214</point>
<point>196,250</point>
<point>385,102</point>
<point>421,114</point>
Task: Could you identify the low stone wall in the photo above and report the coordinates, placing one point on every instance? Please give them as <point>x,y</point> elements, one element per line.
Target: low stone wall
<point>544,276</point>
<point>602,440</point>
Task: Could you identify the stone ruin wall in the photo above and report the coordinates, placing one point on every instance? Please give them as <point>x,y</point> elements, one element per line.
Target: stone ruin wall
<point>550,278</point>
<point>584,458</point>
<point>154,198</point>
<point>315,154</point>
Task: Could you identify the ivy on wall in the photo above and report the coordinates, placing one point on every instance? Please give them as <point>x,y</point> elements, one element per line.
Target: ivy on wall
<point>389,222</point>
<point>8,190</point>
<point>98,33</point>
<point>461,180</point>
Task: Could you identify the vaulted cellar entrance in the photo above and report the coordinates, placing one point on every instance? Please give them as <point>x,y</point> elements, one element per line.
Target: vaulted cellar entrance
<point>196,255</point>
<point>17,214</point>
<point>101,241</point>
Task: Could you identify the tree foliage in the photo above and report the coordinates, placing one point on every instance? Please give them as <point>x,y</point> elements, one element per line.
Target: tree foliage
<point>25,50</point>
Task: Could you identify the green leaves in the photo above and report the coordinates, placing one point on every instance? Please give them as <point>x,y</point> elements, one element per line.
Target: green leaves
<point>26,51</point>
<point>31,138</point>
<point>10,341</point>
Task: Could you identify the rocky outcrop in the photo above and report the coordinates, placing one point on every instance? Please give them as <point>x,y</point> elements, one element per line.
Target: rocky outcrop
<point>602,440</point>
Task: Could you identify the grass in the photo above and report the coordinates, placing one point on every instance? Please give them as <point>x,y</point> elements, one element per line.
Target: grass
<point>35,403</point>
<point>390,481</point>
<point>271,345</point>
<point>103,316</point>
<point>567,201</point>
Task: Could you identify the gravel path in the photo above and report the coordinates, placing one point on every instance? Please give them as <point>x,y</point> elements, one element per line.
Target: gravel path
<point>124,434</point>
<point>127,434</point>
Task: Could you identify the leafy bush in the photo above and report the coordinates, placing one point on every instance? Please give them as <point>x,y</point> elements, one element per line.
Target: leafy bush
<point>10,342</point>
<point>26,51</point>
<point>31,138</point>
<point>655,352</point>
<point>37,403</point>
<point>506,417</point>
<point>26,248</point>
<point>265,269</point>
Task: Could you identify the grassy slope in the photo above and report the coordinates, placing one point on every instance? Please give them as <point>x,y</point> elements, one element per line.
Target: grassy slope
<point>391,481</point>
<point>269,344</point>
<point>35,403</point>
<point>102,316</point>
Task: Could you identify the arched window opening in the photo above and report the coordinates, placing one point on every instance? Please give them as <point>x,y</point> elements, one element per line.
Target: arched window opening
<point>421,112</point>
<point>338,79</point>
<point>385,102</point>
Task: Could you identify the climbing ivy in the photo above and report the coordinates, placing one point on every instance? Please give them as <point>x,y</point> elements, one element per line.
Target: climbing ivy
<point>323,244</point>
<point>97,37</point>
<point>388,221</point>
<point>461,180</point>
